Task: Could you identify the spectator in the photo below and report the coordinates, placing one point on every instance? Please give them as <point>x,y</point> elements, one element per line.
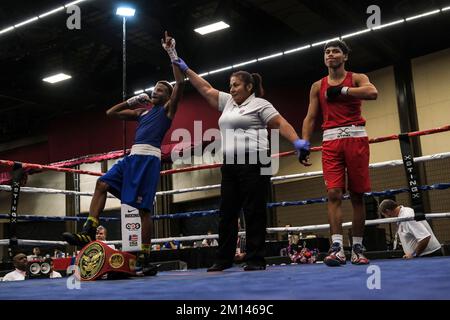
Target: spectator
<point>20,263</point>
<point>36,254</point>
<point>209,242</point>
<point>101,234</point>
<point>417,238</point>
<point>58,254</point>
<point>53,273</point>
<point>173,244</point>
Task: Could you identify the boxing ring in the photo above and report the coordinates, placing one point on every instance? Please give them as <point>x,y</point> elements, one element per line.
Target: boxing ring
<point>382,279</point>
<point>416,279</point>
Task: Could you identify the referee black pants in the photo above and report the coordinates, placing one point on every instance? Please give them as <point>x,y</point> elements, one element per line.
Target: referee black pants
<point>243,187</point>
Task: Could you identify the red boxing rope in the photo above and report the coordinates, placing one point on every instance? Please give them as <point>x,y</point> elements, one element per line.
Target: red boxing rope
<point>314,149</point>
<point>90,158</point>
<point>40,167</point>
<point>9,164</point>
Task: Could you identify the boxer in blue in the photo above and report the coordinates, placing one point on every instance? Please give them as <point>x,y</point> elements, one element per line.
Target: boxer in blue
<point>134,179</point>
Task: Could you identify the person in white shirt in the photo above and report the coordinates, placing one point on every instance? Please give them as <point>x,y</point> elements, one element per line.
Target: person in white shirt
<point>244,123</point>
<point>101,234</point>
<point>36,254</point>
<point>20,263</point>
<point>417,238</point>
<point>209,242</point>
<point>53,273</point>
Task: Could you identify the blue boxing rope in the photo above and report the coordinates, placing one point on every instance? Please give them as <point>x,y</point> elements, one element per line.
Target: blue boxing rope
<point>205,213</point>
<point>202,213</point>
<point>389,192</point>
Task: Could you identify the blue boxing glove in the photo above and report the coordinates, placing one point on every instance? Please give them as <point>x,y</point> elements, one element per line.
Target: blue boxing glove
<point>302,148</point>
<point>181,64</point>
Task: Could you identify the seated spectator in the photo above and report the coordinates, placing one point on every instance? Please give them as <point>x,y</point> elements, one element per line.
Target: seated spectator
<point>417,238</point>
<point>209,242</point>
<point>20,263</point>
<point>173,244</point>
<point>36,254</point>
<point>58,254</point>
<point>101,234</point>
<point>53,273</point>
<point>293,239</point>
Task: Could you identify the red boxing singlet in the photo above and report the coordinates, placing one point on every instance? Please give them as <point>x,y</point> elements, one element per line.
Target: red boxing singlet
<point>343,110</point>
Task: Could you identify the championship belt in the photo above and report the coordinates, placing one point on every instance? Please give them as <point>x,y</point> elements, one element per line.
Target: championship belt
<point>97,259</point>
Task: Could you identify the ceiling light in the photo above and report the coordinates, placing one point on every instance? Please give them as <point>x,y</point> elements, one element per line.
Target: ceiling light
<point>57,78</point>
<point>51,12</point>
<point>271,56</point>
<point>422,15</point>
<point>355,33</point>
<point>25,22</point>
<point>324,42</point>
<point>297,49</point>
<point>212,28</point>
<point>125,11</point>
<point>244,63</point>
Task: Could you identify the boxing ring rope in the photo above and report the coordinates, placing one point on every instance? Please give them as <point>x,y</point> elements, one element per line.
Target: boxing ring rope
<point>10,163</point>
<point>41,167</point>
<point>314,149</point>
<point>318,227</point>
<point>32,217</point>
<point>92,158</point>
<point>390,163</point>
<point>204,213</point>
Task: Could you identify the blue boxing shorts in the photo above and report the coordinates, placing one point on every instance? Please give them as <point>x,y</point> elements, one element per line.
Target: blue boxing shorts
<point>134,180</point>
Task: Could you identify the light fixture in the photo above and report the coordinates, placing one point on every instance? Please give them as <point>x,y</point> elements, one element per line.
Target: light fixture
<point>240,64</point>
<point>57,78</point>
<point>349,35</point>
<point>125,11</point>
<point>323,42</point>
<point>25,22</point>
<point>423,15</point>
<point>297,49</point>
<point>212,28</point>
<point>221,69</point>
<point>355,33</point>
<point>51,12</point>
<point>73,3</point>
<point>388,24</point>
<point>39,17</point>
<point>270,56</point>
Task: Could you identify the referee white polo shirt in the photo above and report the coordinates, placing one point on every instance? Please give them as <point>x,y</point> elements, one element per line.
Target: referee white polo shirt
<point>244,127</point>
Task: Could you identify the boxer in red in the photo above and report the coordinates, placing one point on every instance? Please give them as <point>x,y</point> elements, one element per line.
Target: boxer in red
<point>345,145</point>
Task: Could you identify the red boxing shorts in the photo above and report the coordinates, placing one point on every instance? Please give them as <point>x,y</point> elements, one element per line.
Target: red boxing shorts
<point>346,148</point>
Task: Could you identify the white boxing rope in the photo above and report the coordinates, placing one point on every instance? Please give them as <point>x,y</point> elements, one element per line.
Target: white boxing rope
<point>317,227</point>
<point>4,187</point>
<point>391,163</point>
<point>22,242</point>
<point>188,238</point>
<point>203,188</point>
